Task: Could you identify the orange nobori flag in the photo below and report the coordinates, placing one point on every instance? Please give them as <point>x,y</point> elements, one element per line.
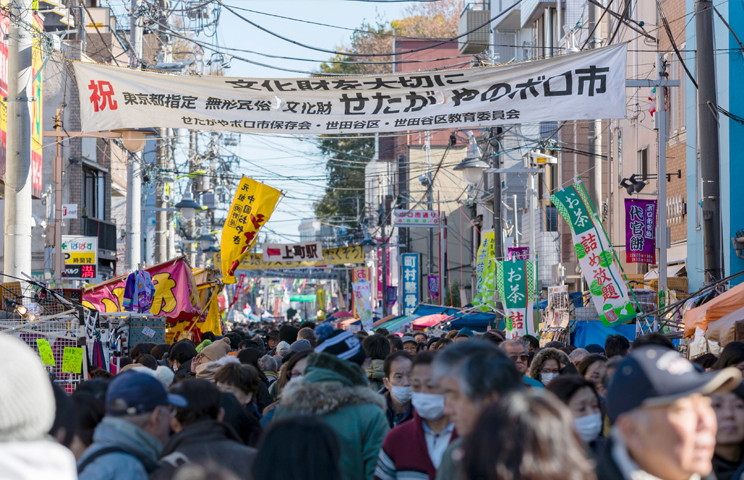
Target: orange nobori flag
<point>251,208</point>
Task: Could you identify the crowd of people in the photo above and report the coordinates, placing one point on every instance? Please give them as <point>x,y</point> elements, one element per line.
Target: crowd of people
<point>307,401</point>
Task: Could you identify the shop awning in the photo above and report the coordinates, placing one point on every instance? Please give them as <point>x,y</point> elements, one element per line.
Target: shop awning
<point>713,310</point>
<point>397,324</point>
<point>423,323</point>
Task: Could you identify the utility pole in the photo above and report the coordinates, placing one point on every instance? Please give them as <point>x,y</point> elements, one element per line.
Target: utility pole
<point>58,263</point>
<point>161,216</point>
<point>191,227</point>
<point>595,126</point>
<point>708,140</point>
<point>133,257</point>
<point>429,203</point>
<point>17,228</point>
<point>496,179</point>
<point>661,178</point>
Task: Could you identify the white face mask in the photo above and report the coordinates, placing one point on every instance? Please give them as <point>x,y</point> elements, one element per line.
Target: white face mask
<point>430,406</point>
<point>546,378</point>
<point>401,394</point>
<point>588,427</point>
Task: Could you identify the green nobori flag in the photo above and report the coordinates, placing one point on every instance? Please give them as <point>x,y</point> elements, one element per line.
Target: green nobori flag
<point>516,282</point>
<point>593,250</point>
<point>485,273</point>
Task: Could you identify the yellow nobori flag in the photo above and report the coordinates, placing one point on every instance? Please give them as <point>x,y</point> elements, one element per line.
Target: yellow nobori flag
<point>251,208</point>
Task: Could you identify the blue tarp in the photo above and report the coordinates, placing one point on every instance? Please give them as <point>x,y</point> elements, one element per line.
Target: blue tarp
<point>423,310</point>
<point>594,332</point>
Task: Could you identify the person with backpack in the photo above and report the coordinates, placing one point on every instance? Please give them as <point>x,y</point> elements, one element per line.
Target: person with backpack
<point>129,439</point>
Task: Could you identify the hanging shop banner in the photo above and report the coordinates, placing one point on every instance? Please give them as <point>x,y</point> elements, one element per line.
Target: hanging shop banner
<point>251,208</point>
<point>392,296</point>
<point>331,256</point>
<point>411,275</point>
<point>358,274</point>
<point>175,293</point>
<point>81,257</point>
<point>578,86</point>
<point>292,252</point>
<point>485,271</point>
<point>36,105</point>
<point>433,283</point>
<point>363,303</point>
<point>640,231</point>
<point>238,289</point>
<point>415,218</point>
<point>607,286</point>
<point>518,253</point>
<point>517,284</point>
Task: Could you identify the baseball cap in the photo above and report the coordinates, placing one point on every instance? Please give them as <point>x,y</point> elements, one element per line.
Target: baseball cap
<point>653,375</point>
<point>408,338</point>
<point>132,393</point>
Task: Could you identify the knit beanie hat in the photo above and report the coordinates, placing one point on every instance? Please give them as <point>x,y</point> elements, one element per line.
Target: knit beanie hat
<point>217,350</point>
<point>203,345</point>
<point>344,345</point>
<point>301,345</point>
<point>26,394</point>
<point>283,348</point>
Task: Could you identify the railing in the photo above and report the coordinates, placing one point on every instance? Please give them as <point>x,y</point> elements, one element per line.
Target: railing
<point>482,5</point>
<point>105,231</point>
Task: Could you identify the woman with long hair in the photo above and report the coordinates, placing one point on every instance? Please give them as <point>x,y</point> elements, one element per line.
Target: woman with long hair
<point>526,435</point>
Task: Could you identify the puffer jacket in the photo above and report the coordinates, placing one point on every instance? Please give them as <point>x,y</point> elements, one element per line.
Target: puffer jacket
<point>544,355</point>
<point>337,391</point>
<point>375,374</point>
<point>140,460</point>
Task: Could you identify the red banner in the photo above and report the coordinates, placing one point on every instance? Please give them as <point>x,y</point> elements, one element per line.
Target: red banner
<point>175,293</point>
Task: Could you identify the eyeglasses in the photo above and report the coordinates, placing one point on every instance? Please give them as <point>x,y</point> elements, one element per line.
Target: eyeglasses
<point>522,357</point>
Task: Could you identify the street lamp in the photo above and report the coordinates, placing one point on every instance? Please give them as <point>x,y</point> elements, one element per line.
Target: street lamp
<point>472,165</point>
<point>368,245</point>
<point>188,206</point>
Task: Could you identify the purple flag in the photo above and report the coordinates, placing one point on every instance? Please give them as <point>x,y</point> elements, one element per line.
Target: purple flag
<point>392,296</point>
<point>518,253</point>
<point>434,286</point>
<point>640,231</point>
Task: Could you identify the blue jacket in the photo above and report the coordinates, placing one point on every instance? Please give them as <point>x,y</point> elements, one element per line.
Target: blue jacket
<point>116,432</point>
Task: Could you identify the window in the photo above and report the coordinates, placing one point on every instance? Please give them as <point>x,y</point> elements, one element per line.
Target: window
<point>643,162</point>
<point>93,194</point>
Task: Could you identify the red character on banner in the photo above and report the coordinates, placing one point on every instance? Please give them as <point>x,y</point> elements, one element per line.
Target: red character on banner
<point>517,320</point>
<point>601,276</point>
<point>103,94</point>
<point>589,242</point>
<point>609,292</point>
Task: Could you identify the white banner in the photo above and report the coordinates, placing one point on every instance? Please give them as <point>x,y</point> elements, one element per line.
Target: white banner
<point>415,218</point>
<point>579,86</point>
<point>292,252</point>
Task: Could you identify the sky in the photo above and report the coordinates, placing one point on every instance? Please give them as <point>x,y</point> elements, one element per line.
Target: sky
<point>291,164</point>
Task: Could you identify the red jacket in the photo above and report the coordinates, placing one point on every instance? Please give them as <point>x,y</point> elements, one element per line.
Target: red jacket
<point>405,450</point>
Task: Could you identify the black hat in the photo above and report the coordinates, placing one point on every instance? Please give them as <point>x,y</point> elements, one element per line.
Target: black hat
<point>273,334</point>
<point>654,375</point>
<point>344,345</point>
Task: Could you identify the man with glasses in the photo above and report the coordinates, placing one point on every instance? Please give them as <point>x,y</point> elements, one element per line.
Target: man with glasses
<point>517,353</point>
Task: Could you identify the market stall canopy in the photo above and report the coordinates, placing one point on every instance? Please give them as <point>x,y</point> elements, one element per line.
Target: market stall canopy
<point>727,329</point>
<point>348,322</point>
<point>341,314</point>
<point>423,323</point>
<point>385,320</point>
<point>715,309</point>
<point>398,324</point>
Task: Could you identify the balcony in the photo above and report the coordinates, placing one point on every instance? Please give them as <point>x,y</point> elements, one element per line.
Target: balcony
<point>474,15</point>
<point>105,231</point>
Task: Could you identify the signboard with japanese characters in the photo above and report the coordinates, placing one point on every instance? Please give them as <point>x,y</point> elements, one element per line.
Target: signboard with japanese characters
<point>363,302</point>
<point>251,208</point>
<point>518,253</point>
<point>640,231</point>
<point>485,272</point>
<point>411,277</point>
<point>608,289</point>
<point>358,274</point>
<point>577,86</point>
<point>415,218</point>
<point>81,257</point>
<point>331,256</point>
<point>517,285</point>
<point>293,252</point>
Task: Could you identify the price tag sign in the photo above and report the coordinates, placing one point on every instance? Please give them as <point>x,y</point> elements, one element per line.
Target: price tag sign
<point>45,351</point>
<point>72,360</point>
<point>148,332</point>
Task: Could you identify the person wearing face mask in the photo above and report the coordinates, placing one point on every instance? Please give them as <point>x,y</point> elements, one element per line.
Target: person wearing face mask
<point>581,398</point>
<point>397,381</point>
<point>416,448</point>
<point>547,365</point>
<point>728,455</point>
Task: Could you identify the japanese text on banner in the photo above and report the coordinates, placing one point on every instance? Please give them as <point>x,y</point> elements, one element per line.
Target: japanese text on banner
<point>608,289</point>
<point>411,278</point>
<point>579,86</point>
<point>516,282</point>
<point>252,206</point>
<point>640,231</point>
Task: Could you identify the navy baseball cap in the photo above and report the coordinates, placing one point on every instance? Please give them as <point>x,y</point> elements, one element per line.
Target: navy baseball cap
<point>654,375</point>
<point>132,393</point>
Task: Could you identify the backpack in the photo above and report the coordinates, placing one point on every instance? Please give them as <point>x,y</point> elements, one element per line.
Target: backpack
<point>149,466</point>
